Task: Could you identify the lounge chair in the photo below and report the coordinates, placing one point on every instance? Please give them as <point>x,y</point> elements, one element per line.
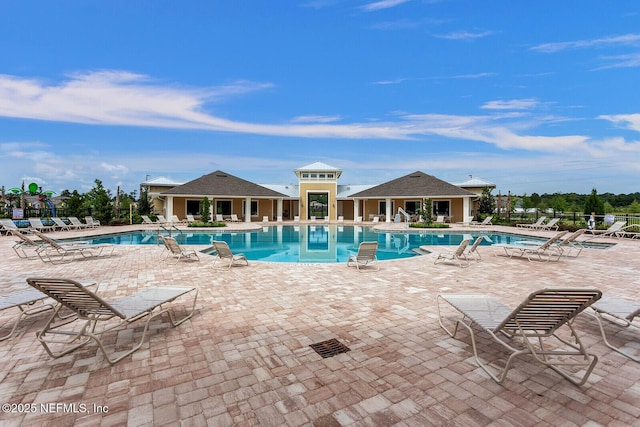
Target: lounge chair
<point>60,224</point>
<point>535,321</point>
<point>570,243</point>
<point>278,219</point>
<point>190,218</point>
<point>223,252</point>
<point>219,218</point>
<point>95,316</point>
<point>472,251</point>
<point>485,222</point>
<point>76,222</point>
<point>91,222</point>
<point>551,225</point>
<point>176,220</point>
<point>162,220</point>
<point>358,219</point>
<point>24,242</point>
<point>71,226</point>
<point>341,218</point>
<point>54,251</point>
<point>457,255</point>
<point>234,218</point>
<point>528,248</point>
<point>376,219</point>
<point>468,220</point>
<point>535,225</point>
<point>7,224</point>
<point>631,231</point>
<point>173,249</point>
<point>440,219</point>
<point>146,220</point>
<point>312,218</point>
<point>620,312</point>
<point>265,218</point>
<point>367,254</point>
<point>296,218</point>
<point>29,301</point>
<point>611,231</point>
<point>36,224</point>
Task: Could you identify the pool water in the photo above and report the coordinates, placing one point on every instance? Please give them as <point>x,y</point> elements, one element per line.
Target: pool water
<point>312,243</point>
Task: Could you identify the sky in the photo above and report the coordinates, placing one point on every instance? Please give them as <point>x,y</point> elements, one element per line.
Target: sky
<point>532,96</point>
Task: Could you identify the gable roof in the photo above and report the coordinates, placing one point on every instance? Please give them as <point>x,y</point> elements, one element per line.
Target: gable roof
<point>474,182</point>
<point>222,184</point>
<point>417,184</point>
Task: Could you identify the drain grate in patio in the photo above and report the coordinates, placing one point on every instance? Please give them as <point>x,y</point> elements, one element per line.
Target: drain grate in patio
<point>329,348</point>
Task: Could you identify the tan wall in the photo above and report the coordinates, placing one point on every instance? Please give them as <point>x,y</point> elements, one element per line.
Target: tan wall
<point>180,207</point>
<point>320,187</point>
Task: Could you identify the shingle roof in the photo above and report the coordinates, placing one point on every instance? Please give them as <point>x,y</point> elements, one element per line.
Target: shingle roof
<point>220,183</point>
<point>417,184</point>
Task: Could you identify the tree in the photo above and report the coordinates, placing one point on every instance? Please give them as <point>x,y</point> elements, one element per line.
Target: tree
<point>559,204</point>
<point>487,202</point>
<point>99,201</point>
<point>74,204</point>
<point>205,207</point>
<point>144,207</point>
<point>593,204</point>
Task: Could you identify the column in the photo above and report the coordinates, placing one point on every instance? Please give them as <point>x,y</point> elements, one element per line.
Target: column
<point>388,212</point>
<point>247,209</point>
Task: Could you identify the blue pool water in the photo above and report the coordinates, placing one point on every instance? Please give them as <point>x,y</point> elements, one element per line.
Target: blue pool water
<point>312,243</point>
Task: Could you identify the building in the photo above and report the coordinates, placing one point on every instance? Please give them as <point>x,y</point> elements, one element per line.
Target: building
<point>317,194</point>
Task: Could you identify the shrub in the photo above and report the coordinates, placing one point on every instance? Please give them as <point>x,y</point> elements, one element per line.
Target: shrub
<point>207,224</point>
<point>425,225</point>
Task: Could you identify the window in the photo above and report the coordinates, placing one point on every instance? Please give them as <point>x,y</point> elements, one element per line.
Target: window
<point>412,206</point>
<point>318,205</point>
<point>382,207</point>
<point>193,207</point>
<point>441,207</point>
<point>223,207</point>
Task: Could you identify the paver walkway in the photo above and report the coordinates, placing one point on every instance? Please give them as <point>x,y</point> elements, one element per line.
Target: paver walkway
<point>244,358</point>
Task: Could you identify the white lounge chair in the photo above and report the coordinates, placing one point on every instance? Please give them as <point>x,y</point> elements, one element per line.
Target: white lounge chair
<point>190,218</point>
<point>174,250</point>
<point>341,218</point>
<point>549,249</point>
<point>36,224</point>
<point>570,243</point>
<point>535,321</point>
<point>60,224</point>
<point>535,225</point>
<point>472,251</point>
<point>176,220</point>
<point>91,222</point>
<point>631,231</point>
<point>23,243</point>
<point>620,312</point>
<point>7,224</point>
<point>296,218</point>
<point>95,316</point>
<point>161,220</point>
<point>551,225</point>
<point>457,255</point>
<point>265,219</point>
<point>611,231</point>
<point>72,225</point>
<point>219,218</point>
<point>77,223</point>
<point>485,222</point>
<point>234,218</point>
<point>223,252</point>
<point>55,252</point>
<point>146,220</point>
<point>367,255</point>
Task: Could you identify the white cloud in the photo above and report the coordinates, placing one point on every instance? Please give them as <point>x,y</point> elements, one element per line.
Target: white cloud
<point>631,60</point>
<point>315,119</point>
<point>382,4</point>
<point>628,121</point>
<point>514,104</point>
<point>465,35</point>
<point>624,40</point>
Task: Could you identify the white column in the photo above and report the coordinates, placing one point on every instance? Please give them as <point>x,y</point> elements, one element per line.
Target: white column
<point>168,207</point>
<point>466,208</point>
<point>388,212</point>
<point>247,209</point>
<point>356,208</point>
<point>279,208</point>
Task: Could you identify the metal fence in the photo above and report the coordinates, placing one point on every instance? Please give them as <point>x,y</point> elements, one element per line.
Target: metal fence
<point>576,218</point>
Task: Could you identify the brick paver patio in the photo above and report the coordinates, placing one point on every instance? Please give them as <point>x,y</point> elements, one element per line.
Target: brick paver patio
<point>244,358</point>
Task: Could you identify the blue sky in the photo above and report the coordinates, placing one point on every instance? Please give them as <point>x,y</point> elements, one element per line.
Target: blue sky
<point>534,96</point>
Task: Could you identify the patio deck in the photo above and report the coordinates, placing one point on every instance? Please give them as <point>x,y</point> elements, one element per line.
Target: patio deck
<point>244,357</point>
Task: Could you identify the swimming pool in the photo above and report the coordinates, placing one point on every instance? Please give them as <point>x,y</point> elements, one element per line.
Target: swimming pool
<point>312,243</point>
